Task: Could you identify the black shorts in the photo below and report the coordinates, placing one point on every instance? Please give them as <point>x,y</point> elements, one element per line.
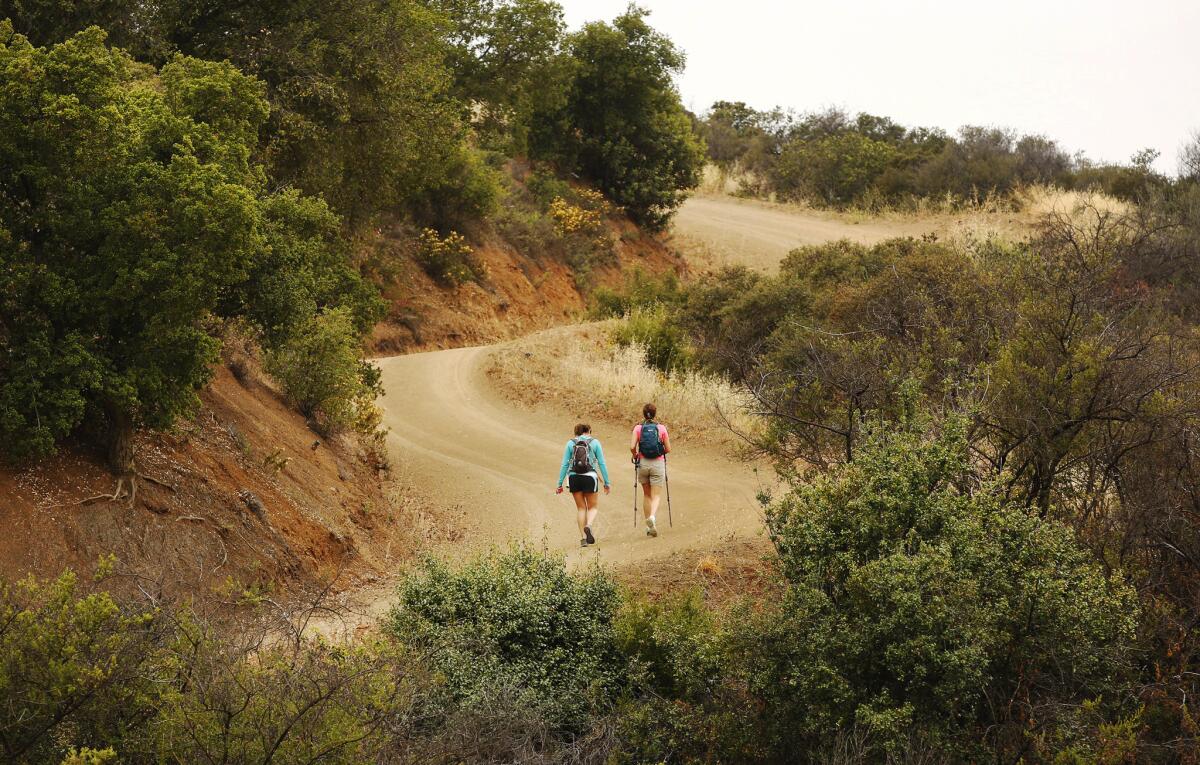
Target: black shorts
<point>583,482</point>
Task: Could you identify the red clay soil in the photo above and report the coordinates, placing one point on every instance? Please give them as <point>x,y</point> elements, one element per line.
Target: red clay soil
<point>521,294</point>
<point>252,501</point>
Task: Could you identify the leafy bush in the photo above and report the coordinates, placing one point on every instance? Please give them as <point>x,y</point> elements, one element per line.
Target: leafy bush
<point>88,756</point>
<point>467,190</point>
<point>664,343</point>
<point>133,215</point>
<point>544,186</point>
<point>531,233</point>
<point>321,370</point>
<point>305,267</point>
<point>572,220</point>
<point>264,697</point>
<point>621,123</point>
<point>835,170</point>
<point>923,600</point>
<point>583,231</point>
<point>153,682</point>
<point>677,643</point>
<point>140,214</point>
<point>517,622</point>
<point>448,259</point>
<point>71,662</point>
<point>871,162</point>
<point>641,290</point>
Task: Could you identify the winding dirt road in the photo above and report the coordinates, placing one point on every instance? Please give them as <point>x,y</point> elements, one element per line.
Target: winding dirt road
<point>460,443</point>
<point>458,440</point>
<point>728,231</point>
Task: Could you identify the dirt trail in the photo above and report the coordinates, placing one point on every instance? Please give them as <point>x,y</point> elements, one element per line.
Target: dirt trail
<point>455,438</point>
<point>459,441</point>
<point>722,231</point>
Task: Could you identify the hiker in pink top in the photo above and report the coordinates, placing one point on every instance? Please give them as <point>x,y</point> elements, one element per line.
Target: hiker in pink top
<point>650,446</point>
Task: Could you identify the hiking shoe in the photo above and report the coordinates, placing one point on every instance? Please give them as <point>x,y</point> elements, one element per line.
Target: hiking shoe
<point>651,528</point>
<point>588,538</point>
<point>583,543</point>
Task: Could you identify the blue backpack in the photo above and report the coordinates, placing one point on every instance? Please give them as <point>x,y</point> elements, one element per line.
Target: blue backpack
<point>650,442</point>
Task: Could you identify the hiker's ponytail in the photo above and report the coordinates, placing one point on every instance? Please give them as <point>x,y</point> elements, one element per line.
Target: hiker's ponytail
<point>649,411</point>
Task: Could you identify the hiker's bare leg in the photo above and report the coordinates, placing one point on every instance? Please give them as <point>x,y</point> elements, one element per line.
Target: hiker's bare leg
<point>593,504</point>
<point>582,510</point>
<point>646,500</point>
<point>653,497</point>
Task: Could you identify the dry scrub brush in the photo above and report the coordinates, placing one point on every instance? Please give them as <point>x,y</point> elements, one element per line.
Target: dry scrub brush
<point>581,370</point>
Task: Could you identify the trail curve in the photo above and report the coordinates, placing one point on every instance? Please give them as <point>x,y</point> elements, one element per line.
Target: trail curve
<point>455,438</point>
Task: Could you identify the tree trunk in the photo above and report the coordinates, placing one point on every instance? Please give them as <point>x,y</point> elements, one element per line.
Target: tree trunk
<point>119,441</point>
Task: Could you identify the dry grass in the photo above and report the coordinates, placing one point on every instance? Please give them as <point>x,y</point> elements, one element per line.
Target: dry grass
<point>718,182</point>
<point>733,569</point>
<point>580,370</point>
<point>999,214</point>
<point>1037,202</point>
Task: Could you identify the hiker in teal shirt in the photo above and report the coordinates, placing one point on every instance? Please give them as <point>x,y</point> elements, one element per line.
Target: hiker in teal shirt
<point>582,456</point>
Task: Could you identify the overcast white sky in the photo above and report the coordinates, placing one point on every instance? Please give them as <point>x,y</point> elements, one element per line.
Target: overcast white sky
<point>1104,76</point>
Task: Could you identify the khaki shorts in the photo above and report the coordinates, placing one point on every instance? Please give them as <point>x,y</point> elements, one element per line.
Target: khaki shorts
<point>653,472</point>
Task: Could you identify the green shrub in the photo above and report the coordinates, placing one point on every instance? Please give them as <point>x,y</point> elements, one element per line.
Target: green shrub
<point>571,230</point>
<point>306,266</point>
<point>544,186</point>
<point>322,372</point>
<point>676,642</point>
<point>88,756</point>
<point>448,259</point>
<point>640,291</point>
<point>664,342</point>
<point>74,667</point>
<point>582,228</point>
<point>467,190</point>
<point>262,697</point>
<point>530,233</point>
<point>518,622</point>
<point>835,170</point>
<point>921,601</point>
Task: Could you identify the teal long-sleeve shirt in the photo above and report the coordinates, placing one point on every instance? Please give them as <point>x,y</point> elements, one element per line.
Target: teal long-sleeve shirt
<point>597,459</point>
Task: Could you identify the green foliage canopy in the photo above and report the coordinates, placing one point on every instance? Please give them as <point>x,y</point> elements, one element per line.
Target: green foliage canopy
<point>923,599</point>
<point>518,623</point>
<point>622,125</point>
<point>505,56</point>
<point>361,111</point>
<point>135,215</point>
<point>126,222</point>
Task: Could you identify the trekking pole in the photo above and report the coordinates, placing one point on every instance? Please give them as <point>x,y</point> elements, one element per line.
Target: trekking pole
<point>635,488</point>
<point>667,479</point>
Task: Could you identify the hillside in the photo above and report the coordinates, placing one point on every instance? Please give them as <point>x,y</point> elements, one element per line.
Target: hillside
<point>300,301</point>
<point>524,291</point>
<point>247,490</point>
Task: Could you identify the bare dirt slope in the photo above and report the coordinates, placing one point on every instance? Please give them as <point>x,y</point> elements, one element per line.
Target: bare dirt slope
<point>721,230</point>
<point>247,492</point>
<point>455,437</point>
<point>525,290</point>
